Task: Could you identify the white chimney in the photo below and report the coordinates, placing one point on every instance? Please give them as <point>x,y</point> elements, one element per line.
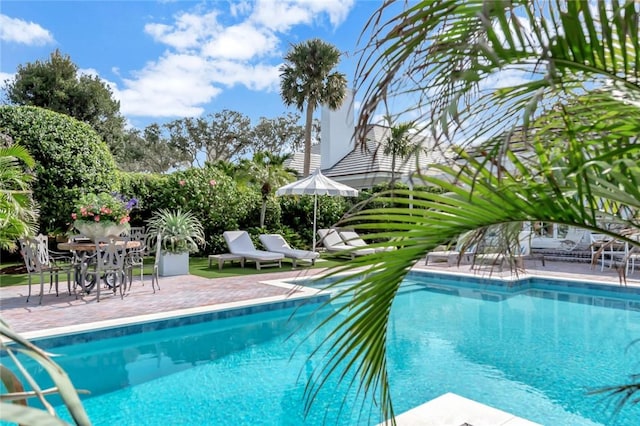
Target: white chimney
<point>336,132</point>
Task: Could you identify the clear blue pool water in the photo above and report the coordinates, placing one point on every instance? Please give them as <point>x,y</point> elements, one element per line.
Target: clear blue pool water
<point>533,353</point>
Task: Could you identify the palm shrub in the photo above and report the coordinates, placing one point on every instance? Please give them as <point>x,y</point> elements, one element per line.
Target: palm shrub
<point>267,172</point>
<point>18,211</point>
<point>14,406</point>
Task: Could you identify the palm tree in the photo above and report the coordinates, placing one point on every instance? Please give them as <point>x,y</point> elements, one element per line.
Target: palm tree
<point>398,144</point>
<point>18,211</point>
<point>558,80</point>
<point>268,172</point>
<point>226,167</point>
<point>307,79</point>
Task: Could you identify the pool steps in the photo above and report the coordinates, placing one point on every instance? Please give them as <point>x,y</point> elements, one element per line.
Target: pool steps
<point>454,410</point>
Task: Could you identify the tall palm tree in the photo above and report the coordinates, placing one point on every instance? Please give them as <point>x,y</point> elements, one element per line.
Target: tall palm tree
<point>18,211</point>
<point>307,79</point>
<point>559,79</point>
<point>267,170</point>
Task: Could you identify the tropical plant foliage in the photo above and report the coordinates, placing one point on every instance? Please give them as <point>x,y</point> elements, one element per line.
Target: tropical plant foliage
<point>18,211</point>
<point>13,406</point>
<point>180,231</point>
<point>541,102</point>
<point>267,171</point>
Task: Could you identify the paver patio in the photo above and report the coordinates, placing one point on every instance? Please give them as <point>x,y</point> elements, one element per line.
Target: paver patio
<point>190,291</point>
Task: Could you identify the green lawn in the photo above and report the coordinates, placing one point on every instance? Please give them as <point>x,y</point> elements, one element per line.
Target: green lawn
<point>197,266</point>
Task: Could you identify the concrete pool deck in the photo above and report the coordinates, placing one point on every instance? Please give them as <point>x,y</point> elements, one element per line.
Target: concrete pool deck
<point>192,292</point>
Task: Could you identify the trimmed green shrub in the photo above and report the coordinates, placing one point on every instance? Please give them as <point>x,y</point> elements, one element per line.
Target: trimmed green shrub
<point>144,187</point>
<point>71,160</point>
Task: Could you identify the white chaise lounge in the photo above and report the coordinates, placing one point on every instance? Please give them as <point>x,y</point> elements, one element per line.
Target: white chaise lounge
<point>452,256</point>
<point>277,244</point>
<point>352,238</point>
<point>240,244</point>
<point>333,243</point>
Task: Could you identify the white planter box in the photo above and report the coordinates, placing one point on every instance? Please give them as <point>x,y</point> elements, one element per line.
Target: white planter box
<point>173,264</point>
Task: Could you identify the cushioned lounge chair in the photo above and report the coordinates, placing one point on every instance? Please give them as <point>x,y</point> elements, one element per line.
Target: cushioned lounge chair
<point>333,243</point>
<point>352,238</point>
<point>452,256</point>
<point>277,244</point>
<point>240,244</point>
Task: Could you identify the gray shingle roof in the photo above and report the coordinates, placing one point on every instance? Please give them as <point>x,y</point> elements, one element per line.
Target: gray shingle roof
<point>296,162</point>
<point>372,158</point>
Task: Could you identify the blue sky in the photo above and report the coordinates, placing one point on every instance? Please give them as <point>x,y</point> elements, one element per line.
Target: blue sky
<point>171,59</point>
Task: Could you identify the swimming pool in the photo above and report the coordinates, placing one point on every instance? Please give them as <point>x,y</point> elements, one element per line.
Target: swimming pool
<point>532,350</point>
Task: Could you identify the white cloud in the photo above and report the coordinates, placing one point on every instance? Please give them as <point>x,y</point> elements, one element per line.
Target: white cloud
<point>205,55</point>
<point>23,32</point>
<point>175,85</point>
<point>188,31</point>
<point>281,15</point>
<point>241,42</point>
<point>4,76</point>
<point>506,77</point>
<point>240,8</point>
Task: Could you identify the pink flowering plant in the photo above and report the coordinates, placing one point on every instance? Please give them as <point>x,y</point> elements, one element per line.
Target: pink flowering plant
<point>103,207</point>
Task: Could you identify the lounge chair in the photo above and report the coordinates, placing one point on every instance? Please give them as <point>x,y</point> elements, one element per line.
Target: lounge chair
<point>351,238</point>
<point>240,244</point>
<point>518,254</point>
<point>576,238</point>
<point>277,244</point>
<point>452,256</point>
<point>333,243</point>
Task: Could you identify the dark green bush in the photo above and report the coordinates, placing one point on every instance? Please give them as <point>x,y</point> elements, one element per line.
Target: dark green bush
<point>145,187</point>
<point>71,160</point>
<point>297,214</point>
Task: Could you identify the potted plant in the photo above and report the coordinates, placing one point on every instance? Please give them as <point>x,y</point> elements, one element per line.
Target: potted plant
<point>102,214</point>
<point>180,233</point>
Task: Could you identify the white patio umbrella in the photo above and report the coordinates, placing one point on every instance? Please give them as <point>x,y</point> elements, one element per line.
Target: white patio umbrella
<point>317,184</point>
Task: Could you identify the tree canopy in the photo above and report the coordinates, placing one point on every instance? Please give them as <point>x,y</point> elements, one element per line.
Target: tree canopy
<point>57,85</point>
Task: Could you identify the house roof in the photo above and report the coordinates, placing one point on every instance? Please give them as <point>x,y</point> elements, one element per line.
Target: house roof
<point>369,165</point>
<point>296,162</point>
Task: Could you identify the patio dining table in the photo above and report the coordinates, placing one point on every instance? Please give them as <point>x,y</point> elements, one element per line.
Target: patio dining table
<point>91,246</point>
<point>83,256</point>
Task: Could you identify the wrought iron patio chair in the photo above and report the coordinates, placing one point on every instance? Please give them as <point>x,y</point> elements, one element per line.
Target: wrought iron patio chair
<point>135,256</point>
<point>154,274</point>
<point>39,260</point>
<point>108,264</point>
